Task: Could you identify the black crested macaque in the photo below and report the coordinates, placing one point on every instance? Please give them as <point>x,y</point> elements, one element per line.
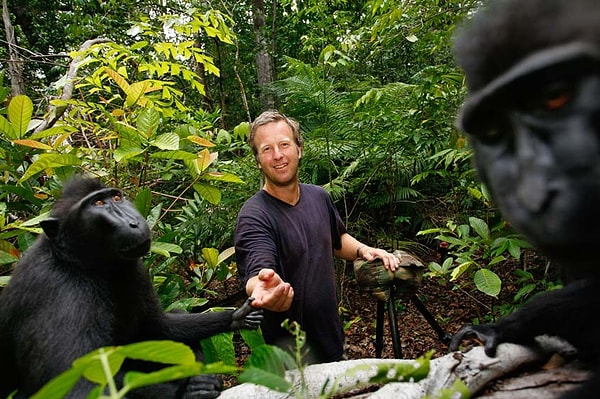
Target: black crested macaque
<point>82,286</point>
<point>533,116</point>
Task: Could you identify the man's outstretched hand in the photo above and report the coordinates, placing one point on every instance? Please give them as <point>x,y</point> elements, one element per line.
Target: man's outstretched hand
<point>270,291</point>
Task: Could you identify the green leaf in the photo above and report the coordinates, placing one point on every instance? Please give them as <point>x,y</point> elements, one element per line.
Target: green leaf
<point>480,227</point>
<point>253,338</point>
<point>7,129</point>
<point>148,122</point>
<point>50,161</point>
<point>167,141</point>
<point>20,110</point>
<point>487,282</point>
<point>125,153</point>
<point>179,154</point>
<point>165,248</point>
<point>208,192</point>
<point>60,385</point>
<point>143,201</point>
<point>210,256</point>
<point>226,253</point>
<point>263,377</point>
<point>224,176</point>
<point>266,366</point>
<point>219,347</point>
<point>460,269</point>
<point>6,258</point>
<point>168,352</point>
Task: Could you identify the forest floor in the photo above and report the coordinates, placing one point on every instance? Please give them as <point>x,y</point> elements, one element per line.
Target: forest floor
<point>451,305</point>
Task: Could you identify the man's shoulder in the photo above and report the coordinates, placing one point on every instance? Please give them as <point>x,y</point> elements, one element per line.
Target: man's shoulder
<point>257,201</point>
<point>313,189</point>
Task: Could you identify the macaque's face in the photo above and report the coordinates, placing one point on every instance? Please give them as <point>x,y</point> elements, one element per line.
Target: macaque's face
<point>536,143</point>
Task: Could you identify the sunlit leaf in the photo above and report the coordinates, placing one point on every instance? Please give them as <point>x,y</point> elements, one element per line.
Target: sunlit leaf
<point>208,192</point>
<point>20,110</point>
<point>200,141</point>
<point>33,144</point>
<point>49,161</point>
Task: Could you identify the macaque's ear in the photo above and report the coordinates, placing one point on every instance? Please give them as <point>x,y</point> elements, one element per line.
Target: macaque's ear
<point>50,226</point>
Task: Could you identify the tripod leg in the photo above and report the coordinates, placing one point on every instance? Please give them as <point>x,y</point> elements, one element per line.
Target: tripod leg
<point>394,329</point>
<point>379,328</point>
<point>443,335</point>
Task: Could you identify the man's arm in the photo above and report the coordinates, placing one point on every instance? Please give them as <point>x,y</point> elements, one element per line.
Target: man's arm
<point>353,249</point>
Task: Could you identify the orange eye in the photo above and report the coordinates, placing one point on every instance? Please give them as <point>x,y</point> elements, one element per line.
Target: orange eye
<point>117,198</point>
<point>558,101</point>
<point>99,202</point>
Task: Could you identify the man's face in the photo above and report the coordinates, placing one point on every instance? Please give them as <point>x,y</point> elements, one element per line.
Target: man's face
<point>278,153</point>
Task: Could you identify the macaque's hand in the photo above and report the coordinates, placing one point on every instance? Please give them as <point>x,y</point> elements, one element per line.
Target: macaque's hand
<point>247,316</point>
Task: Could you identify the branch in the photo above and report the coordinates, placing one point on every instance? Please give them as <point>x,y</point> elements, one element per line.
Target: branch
<point>54,112</point>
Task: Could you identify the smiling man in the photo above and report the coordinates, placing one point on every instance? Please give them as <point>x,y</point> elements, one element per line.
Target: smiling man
<point>286,237</point>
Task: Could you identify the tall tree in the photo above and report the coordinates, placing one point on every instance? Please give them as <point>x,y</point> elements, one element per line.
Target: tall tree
<point>264,61</point>
<point>15,66</point>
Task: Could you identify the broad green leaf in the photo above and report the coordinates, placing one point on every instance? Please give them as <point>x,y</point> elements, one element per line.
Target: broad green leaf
<point>178,154</point>
<point>125,153</point>
<point>6,258</point>
<point>224,176</point>
<point>210,256</point>
<point>242,130</point>
<point>135,380</point>
<point>7,129</point>
<point>266,366</point>
<point>168,352</point>
<point>165,248</point>
<point>487,282</point>
<point>143,201</point>
<point>225,254</point>
<point>4,280</point>
<point>135,93</point>
<point>496,259</point>
<point>60,385</point>
<point>219,347</point>
<point>253,338</point>
<point>49,161</point>
<point>460,269</point>
<point>20,110</point>
<point>167,141</point>
<point>148,122</point>
<point>208,192</point>
<point>53,131</point>
<point>129,136</point>
<point>480,227</point>
<point>94,369</point>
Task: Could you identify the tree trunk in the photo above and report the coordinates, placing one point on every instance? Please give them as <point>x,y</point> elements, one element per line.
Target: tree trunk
<point>15,64</point>
<point>515,373</point>
<point>264,62</point>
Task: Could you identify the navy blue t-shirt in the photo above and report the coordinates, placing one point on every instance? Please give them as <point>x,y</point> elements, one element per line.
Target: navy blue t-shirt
<point>297,242</point>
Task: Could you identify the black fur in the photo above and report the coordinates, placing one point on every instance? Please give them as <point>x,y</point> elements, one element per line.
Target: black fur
<point>533,115</point>
<point>82,286</point>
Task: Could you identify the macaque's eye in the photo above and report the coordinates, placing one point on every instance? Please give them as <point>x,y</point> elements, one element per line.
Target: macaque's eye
<point>557,97</point>
<point>117,197</point>
<point>553,97</point>
<point>99,202</point>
